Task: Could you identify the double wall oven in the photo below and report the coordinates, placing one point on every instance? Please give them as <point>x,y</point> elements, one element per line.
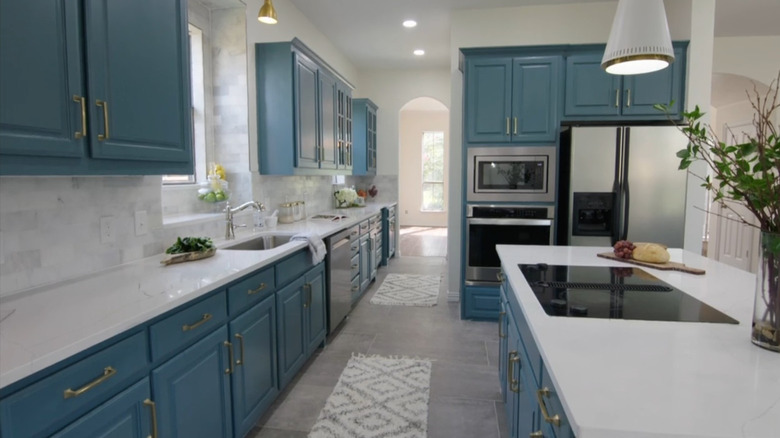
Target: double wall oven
<point>507,188</point>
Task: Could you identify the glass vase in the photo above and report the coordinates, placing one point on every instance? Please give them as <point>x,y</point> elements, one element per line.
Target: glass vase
<point>766,312</point>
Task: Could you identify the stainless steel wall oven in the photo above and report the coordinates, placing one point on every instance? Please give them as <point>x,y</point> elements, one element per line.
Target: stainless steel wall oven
<point>511,174</point>
<point>491,225</point>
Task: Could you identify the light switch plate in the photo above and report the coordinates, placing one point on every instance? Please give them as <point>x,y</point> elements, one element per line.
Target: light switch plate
<point>141,223</point>
<point>107,230</point>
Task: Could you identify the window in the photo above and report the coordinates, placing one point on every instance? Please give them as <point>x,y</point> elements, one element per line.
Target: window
<point>433,171</point>
<point>197,77</point>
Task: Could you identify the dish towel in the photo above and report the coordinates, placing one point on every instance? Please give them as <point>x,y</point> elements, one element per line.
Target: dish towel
<point>316,247</point>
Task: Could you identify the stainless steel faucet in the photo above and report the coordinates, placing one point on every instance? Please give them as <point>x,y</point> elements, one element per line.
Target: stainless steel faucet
<point>229,227</point>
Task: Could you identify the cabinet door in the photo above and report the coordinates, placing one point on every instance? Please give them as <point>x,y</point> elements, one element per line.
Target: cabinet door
<point>328,158</point>
<point>316,326</point>
<point>291,333</point>
<point>371,144</point>
<point>139,80</point>
<point>535,84</point>
<point>125,415</point>
<point>590,91</point>
<point>365,267</point>
<point>40,74</point>
<point>520,400</point>
<point>254,381</point>
<point>192,390</point>
<point>343,127</point>
<point>502,346</point>
<point>641,92</point>
<point>488,100</point>
<point>307,137</point>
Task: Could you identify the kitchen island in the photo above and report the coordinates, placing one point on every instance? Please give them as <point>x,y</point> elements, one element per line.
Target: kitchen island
<point>631,378</point>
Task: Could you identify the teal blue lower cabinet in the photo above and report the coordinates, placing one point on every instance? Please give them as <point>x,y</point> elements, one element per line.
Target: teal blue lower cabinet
<point>521,409</point>
<point>254,381</point>
<point>290,326</point>
<point>481,302</point>
<point>365,262</point>
<point>316,318</point>
<point>503,345</point>
<point>127,415</point>
<point>192,390</point>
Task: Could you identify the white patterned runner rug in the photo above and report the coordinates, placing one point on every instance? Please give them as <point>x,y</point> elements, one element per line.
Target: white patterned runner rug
<point>408,290</point>
<point>377,397</point>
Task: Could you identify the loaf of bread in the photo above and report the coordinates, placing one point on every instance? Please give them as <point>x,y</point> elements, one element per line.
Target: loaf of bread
<point>650,252</point>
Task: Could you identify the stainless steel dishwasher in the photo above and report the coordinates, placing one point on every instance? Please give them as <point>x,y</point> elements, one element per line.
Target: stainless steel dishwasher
<point>340,277</point>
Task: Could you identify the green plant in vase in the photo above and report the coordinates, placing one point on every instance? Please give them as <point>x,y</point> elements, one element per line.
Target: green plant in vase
<point>746,171</point>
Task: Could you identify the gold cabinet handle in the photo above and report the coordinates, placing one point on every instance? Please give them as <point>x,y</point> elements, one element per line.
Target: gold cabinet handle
<point>83,133</point>
<point>501,324</point>
<point>107,373</point>
<point>514,130</point>
<point>153,408</point>
<point>203,319</point>
<point>354,288</point>
<point>507,126</point>
<point>229,346</point>
<point>240,338</point>
<point>555,420</point>
<point>104,105</point>
<point>617,97</point>
<point>500,276</point>
<point>537,434</point>
<point>514,384</point>
<point>628,98</point>
<point>254,291</point>
<point>306,288</point>
<point>354,266</point>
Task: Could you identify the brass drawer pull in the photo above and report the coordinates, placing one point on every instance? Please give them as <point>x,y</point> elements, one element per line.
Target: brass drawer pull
<point>512,359</point>
<point>306,289</point>
<point>203,319</point>
<point>83,133</point>
<point>354,266</point>
<point>500,276</point>
<point>153,408</point>
<point>229,346</point>
<point>254,291</point>
<point>617,97</point>
<point>628,98</point>
<point>507,126</point>
<point>240,338</point>
<point>107,373</point>
<point>514,131</point>
<point>501,324</point>
<point>537,434</point>
<point>104,105</point>
<point>555,420</point>
<point>354,288</point>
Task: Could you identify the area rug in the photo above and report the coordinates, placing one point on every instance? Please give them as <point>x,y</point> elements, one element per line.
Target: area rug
<point>408,290</point>
<point>377,397</point>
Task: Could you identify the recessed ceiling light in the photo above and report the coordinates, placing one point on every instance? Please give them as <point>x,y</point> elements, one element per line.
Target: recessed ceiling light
<point>409,23</point>
<point>419,52</point>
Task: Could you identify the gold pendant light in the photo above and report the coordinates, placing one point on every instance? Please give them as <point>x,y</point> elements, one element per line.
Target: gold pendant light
<point>267,13</point>
<point>639,41</point>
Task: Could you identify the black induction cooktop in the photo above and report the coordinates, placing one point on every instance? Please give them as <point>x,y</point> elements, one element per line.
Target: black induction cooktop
<point>615,293</point>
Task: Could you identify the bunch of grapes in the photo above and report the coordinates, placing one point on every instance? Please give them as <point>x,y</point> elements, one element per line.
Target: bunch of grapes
<point>624,249</point>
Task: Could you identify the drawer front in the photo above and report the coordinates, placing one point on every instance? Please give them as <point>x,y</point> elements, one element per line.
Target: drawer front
<point>354,265</point>
<point>354,232</point>
<point>374,221</point>
<point>481,302</point>
<point>186,326</point>
<point>251,290</point>
<point>552,403</point>
<point>292,268</point>
<point>355,288</point>
<point>364,227</point>
<point>529,344</point>
<point>354,247</point>
<point>42,407</point>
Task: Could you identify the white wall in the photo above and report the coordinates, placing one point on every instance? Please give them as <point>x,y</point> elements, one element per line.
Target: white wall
<point>753,57</point>
<point>413,124</point>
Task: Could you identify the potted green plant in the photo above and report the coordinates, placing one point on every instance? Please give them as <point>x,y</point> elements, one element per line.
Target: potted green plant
<point>747,172</point>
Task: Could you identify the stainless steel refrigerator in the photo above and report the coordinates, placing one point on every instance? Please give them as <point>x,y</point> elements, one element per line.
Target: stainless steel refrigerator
<point>623,182</point>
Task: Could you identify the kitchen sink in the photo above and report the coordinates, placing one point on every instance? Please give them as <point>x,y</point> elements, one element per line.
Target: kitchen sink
<point>267,241</point>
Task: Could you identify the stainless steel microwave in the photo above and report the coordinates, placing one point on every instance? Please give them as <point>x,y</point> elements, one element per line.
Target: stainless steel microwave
<point>511,174</point>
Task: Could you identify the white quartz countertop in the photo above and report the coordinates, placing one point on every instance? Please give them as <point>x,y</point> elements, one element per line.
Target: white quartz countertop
<point>42,326</point>
<point>628,378</point>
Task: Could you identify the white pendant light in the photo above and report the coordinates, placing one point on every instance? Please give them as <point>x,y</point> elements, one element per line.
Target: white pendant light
<point>267,13</point>
<point>639,41</point>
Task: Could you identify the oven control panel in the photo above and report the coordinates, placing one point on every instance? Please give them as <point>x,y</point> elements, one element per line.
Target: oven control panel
<point>510,212</point>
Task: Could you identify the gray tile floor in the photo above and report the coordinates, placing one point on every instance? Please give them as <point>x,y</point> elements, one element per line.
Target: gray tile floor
<point>465,400</point>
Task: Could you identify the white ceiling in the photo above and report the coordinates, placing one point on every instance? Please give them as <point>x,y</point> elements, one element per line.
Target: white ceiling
<point>370,35</point>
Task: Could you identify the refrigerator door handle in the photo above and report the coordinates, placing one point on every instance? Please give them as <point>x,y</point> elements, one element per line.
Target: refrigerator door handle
<point>617,186</point>
<point>626,189</point>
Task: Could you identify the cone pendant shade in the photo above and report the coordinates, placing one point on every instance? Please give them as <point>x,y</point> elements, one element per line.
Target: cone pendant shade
<point>639,41</point>
<point>267,13</point>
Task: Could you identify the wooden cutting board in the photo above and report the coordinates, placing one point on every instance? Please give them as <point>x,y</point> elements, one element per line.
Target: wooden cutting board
<point>188,256</point>
<point>668,266</point>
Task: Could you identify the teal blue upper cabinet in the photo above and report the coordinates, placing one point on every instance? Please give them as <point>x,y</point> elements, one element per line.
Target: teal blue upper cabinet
<point>364,143</point>
<point>84,92</point>
<point>592,93</point>
<point>192,390</point>
<point>254,381</point>
<point>344,127</point>
<point>293,80</point>
<point>512,100</point>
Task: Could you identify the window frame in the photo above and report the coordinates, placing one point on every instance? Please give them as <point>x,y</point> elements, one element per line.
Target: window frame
<point>432,183</point>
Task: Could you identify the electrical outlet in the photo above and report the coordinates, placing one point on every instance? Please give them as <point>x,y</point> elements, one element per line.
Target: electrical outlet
<point>107,230</point>
<point>141,226</point>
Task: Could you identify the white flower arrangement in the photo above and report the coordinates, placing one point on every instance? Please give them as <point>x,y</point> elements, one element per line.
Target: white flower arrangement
<point>345,197</point>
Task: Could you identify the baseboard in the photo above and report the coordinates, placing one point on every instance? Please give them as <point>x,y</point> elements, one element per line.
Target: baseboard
<point>453,296</point>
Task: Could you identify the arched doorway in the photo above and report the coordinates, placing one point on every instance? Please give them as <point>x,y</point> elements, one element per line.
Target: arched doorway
<point>422,177</point>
